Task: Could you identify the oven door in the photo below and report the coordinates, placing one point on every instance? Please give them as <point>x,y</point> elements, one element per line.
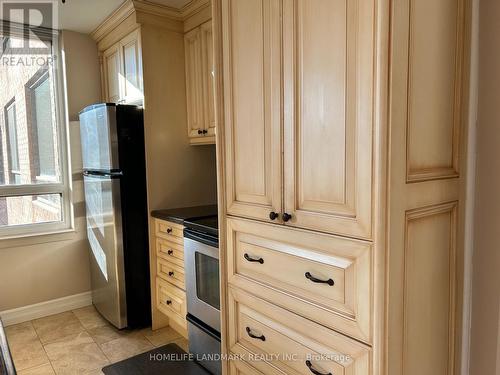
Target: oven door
<point>201,259</point>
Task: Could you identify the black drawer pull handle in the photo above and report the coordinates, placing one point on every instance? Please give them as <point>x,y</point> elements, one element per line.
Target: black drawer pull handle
<point>247,257</point>
<point>171,273</point>
<point>170,252</point>
<point>169,302</point>
<point>315,372</point>
<point>315,280</point>
<point>169,230</point>
<point>261,337</point>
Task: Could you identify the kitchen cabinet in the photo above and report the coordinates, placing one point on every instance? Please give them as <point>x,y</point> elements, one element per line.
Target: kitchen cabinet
<point>141,49</point>
<point>311,163</point>
<point>198,47</point>
<point>168,288</point>
<point>341,126</point>
<point>122,70</point>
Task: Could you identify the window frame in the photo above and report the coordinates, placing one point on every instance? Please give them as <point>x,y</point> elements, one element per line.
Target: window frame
<point>64,187</point>
<point>8,133</point>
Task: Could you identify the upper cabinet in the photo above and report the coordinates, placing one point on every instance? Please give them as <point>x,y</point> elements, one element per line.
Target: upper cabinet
<point>299,104</point>
<point>122,70</point>
<point>198,47</point>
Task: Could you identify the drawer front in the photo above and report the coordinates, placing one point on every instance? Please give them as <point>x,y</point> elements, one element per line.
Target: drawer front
<point>240,367</point>
<point>171,300</point>
<point>170,231</point>
<point>295,345</point>
<point>325,278</point>
<point>171,272</point>
<point>170,251</point>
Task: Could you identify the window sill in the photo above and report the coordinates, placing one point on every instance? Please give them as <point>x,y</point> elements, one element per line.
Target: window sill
<point>38,238</point>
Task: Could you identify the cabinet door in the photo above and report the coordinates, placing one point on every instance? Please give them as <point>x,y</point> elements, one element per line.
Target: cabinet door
<point>194,83</point>
<point>328,84</point>
<point>252,99</point>
<point>207,51</point>
<point>111,68</point>
<point>132,67</point>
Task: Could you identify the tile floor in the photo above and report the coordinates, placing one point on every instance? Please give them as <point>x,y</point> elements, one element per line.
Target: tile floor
<point>79,342</point>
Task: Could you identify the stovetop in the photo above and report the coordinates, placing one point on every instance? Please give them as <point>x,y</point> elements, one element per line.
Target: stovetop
<point>208,225</point>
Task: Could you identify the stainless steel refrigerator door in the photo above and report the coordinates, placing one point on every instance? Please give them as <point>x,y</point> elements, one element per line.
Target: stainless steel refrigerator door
<point>202,282</point>
<point>99,139</point>
<point>104,229</point>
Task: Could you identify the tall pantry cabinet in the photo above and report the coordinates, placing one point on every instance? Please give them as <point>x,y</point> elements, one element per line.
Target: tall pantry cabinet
<point>341,149</point>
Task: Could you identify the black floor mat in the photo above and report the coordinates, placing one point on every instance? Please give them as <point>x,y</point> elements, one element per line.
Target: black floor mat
<point>165,360</point>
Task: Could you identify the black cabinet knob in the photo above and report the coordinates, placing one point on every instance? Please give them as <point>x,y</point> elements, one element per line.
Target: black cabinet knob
<point>273,215</point>
<point>171,273</point>
<point>169,230</point>
<point>170,252</point>
<point>286,217</point>
<point>169,302</point>
<point>200,131</point>
<point>205,131</point>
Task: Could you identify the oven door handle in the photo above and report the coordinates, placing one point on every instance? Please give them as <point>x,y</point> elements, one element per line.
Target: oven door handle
<point>192,235</point>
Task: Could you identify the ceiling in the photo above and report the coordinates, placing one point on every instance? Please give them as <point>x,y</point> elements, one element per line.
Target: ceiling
<point>85,15</point>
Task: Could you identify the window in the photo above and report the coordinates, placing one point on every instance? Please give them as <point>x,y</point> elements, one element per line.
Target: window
<point>34,174</point>
<point>12,147</point>
<point>43,131</point>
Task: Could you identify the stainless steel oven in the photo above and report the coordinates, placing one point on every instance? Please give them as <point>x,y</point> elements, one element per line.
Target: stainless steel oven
<point>201,258</point>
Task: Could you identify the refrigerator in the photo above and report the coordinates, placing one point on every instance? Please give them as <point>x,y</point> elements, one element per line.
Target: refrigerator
<point>114,176</point>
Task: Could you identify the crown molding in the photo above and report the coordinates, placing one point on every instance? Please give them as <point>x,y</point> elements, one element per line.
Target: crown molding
<point>193,7</point>
<point>114,19</point>
<point>147,7</point>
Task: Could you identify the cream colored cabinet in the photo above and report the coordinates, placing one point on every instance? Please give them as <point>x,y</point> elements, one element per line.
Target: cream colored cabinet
<point>111,70</point>
<point>326,124</point>
<point>207,55</point>
<point>343,122</point>
<point>168,288</point>
<point>122,70</point>
<point>198,47</point>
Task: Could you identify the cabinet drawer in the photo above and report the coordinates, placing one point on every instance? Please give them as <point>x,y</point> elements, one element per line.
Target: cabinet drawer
<point>170,231</point>
<point>240,367</point>
<point>171,301</point>
<point>170,272</point>
<point>322,277</point>
<point>291,343</point>
<point>170,251</point>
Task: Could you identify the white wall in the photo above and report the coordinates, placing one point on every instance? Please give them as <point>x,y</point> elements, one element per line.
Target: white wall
<point>38,269</point>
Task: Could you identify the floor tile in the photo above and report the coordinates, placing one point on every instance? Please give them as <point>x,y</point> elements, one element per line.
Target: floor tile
<point>183,344</point>
<point>76,354</point>
<point>28,354</point>
<point>26,348</point>
<point>161,336</point>
<point>20,333</point>
<point>108,333</point>
<point>39,370</point>
<point>126,347</point>
<point>89,317</point>
<point>56,327</point>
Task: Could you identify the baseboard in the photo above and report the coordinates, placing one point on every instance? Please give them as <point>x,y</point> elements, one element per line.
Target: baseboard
<point>40,310</point>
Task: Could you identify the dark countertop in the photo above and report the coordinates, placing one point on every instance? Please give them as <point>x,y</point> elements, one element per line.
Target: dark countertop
<point>178,215</point>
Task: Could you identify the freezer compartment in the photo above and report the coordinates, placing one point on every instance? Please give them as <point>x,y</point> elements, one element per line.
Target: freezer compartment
<point>99,137</point>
